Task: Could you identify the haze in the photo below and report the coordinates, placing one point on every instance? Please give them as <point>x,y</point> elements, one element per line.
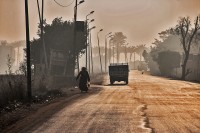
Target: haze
<point>139,20</point>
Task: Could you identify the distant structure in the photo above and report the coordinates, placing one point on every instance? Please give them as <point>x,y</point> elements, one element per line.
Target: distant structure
<point>15,51</point>
<point>18,48</point>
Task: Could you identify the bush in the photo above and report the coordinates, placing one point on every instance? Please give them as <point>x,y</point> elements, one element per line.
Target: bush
<point>12,88</point>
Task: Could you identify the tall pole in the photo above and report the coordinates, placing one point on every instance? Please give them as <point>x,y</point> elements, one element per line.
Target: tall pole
<point>29,91</point>
<point>41,18</point>
<point>109,51</point>
<point>113,54</point>
<point>117,52</point>
<point>86,52</point>
<point>87,36</point>
<point>90,54</point>
<point>42,36</point>
<point>106,50</point>
<point>75,57</point>
<point>99,50</point>
<point>74,38</point>
<point>39,14</point>
<point>105,53</point>
<point>134,60</point>
<point>126,61</point>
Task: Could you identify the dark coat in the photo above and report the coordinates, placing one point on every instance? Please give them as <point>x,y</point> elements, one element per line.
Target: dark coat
<point>84,79</point>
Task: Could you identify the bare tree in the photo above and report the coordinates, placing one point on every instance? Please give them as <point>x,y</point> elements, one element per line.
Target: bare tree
<point>187,35</point>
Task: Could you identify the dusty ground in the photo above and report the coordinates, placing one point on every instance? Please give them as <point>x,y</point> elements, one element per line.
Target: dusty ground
<point>147,104</point>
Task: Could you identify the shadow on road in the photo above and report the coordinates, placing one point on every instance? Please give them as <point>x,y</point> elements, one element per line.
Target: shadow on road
<point>116,84</point>
<point>43,114</point>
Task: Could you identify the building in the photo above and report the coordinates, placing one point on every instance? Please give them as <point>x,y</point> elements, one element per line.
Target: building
<point>14,51</point>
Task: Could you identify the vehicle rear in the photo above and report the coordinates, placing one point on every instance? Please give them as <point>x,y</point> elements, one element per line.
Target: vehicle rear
<point>118,72</point>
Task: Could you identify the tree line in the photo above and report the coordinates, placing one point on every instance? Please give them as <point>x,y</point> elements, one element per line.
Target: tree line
<point>174,47</point>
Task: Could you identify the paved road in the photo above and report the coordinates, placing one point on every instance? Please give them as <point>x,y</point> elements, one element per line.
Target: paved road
<point>148,104</point>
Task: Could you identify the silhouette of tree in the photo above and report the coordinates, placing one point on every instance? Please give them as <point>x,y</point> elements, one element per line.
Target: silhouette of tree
<point>167,61</point>
<point>131,51</point>
<point>139,50</point>
<point>187,34</point>
<point>145,55</point>
<point>119,40</point>
<point>58,36</point>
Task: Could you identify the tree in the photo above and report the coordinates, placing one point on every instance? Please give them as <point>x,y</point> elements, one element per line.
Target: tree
<point>145,55</point>
<point>4,42</point>
<point>131,50</point>
<point>58,36</point>
<point>139,50</point>
<point>119,40</point>
<point>167,61</point>
<point>187,35</point>
<point>9,64</point>
<point>165,42</point>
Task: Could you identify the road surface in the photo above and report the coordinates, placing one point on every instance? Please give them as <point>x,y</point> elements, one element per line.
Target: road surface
<point>148,104</point>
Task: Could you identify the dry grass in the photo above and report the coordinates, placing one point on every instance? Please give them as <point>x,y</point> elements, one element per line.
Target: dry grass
<point>12,88</point>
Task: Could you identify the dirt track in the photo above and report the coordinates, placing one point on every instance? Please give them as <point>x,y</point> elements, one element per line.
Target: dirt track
<point>147,104</point>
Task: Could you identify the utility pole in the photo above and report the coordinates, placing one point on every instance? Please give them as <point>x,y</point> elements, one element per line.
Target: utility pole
<point>134,60</point>
<point>99,50</point>
<point>105,54</point>
<point>113,54</point>
<point>75,57</point>
<point>41,20</point>
<point>106,50</point>
<point>126,61</point>
<point>86,50</point>
<point>90,50</point>
<point>74,39</point>
<point>87,36</point>
<point>42,36</point>
<point>29,91</point>
<point>110,50</point>
<point>91,53</point>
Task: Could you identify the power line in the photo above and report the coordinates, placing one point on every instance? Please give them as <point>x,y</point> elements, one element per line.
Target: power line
<point>64,5</point>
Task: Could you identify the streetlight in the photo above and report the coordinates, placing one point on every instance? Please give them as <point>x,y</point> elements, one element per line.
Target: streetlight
<point>110,47</point>
<point>80,2</point>
<point>87,43</point>
<point>74,39</point>
<point>87,25</point>
<point>99,49</point>
<point>92,28</point>
<point>89,14</point>
<point>92,20</point>
<point>106,50</point>
<point>90,50</point>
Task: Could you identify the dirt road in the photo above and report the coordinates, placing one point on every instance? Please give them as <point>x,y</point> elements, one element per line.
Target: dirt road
<point>147,104</point>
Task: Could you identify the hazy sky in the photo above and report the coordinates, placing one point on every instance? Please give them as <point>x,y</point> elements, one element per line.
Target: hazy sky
<point>139,20</point>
